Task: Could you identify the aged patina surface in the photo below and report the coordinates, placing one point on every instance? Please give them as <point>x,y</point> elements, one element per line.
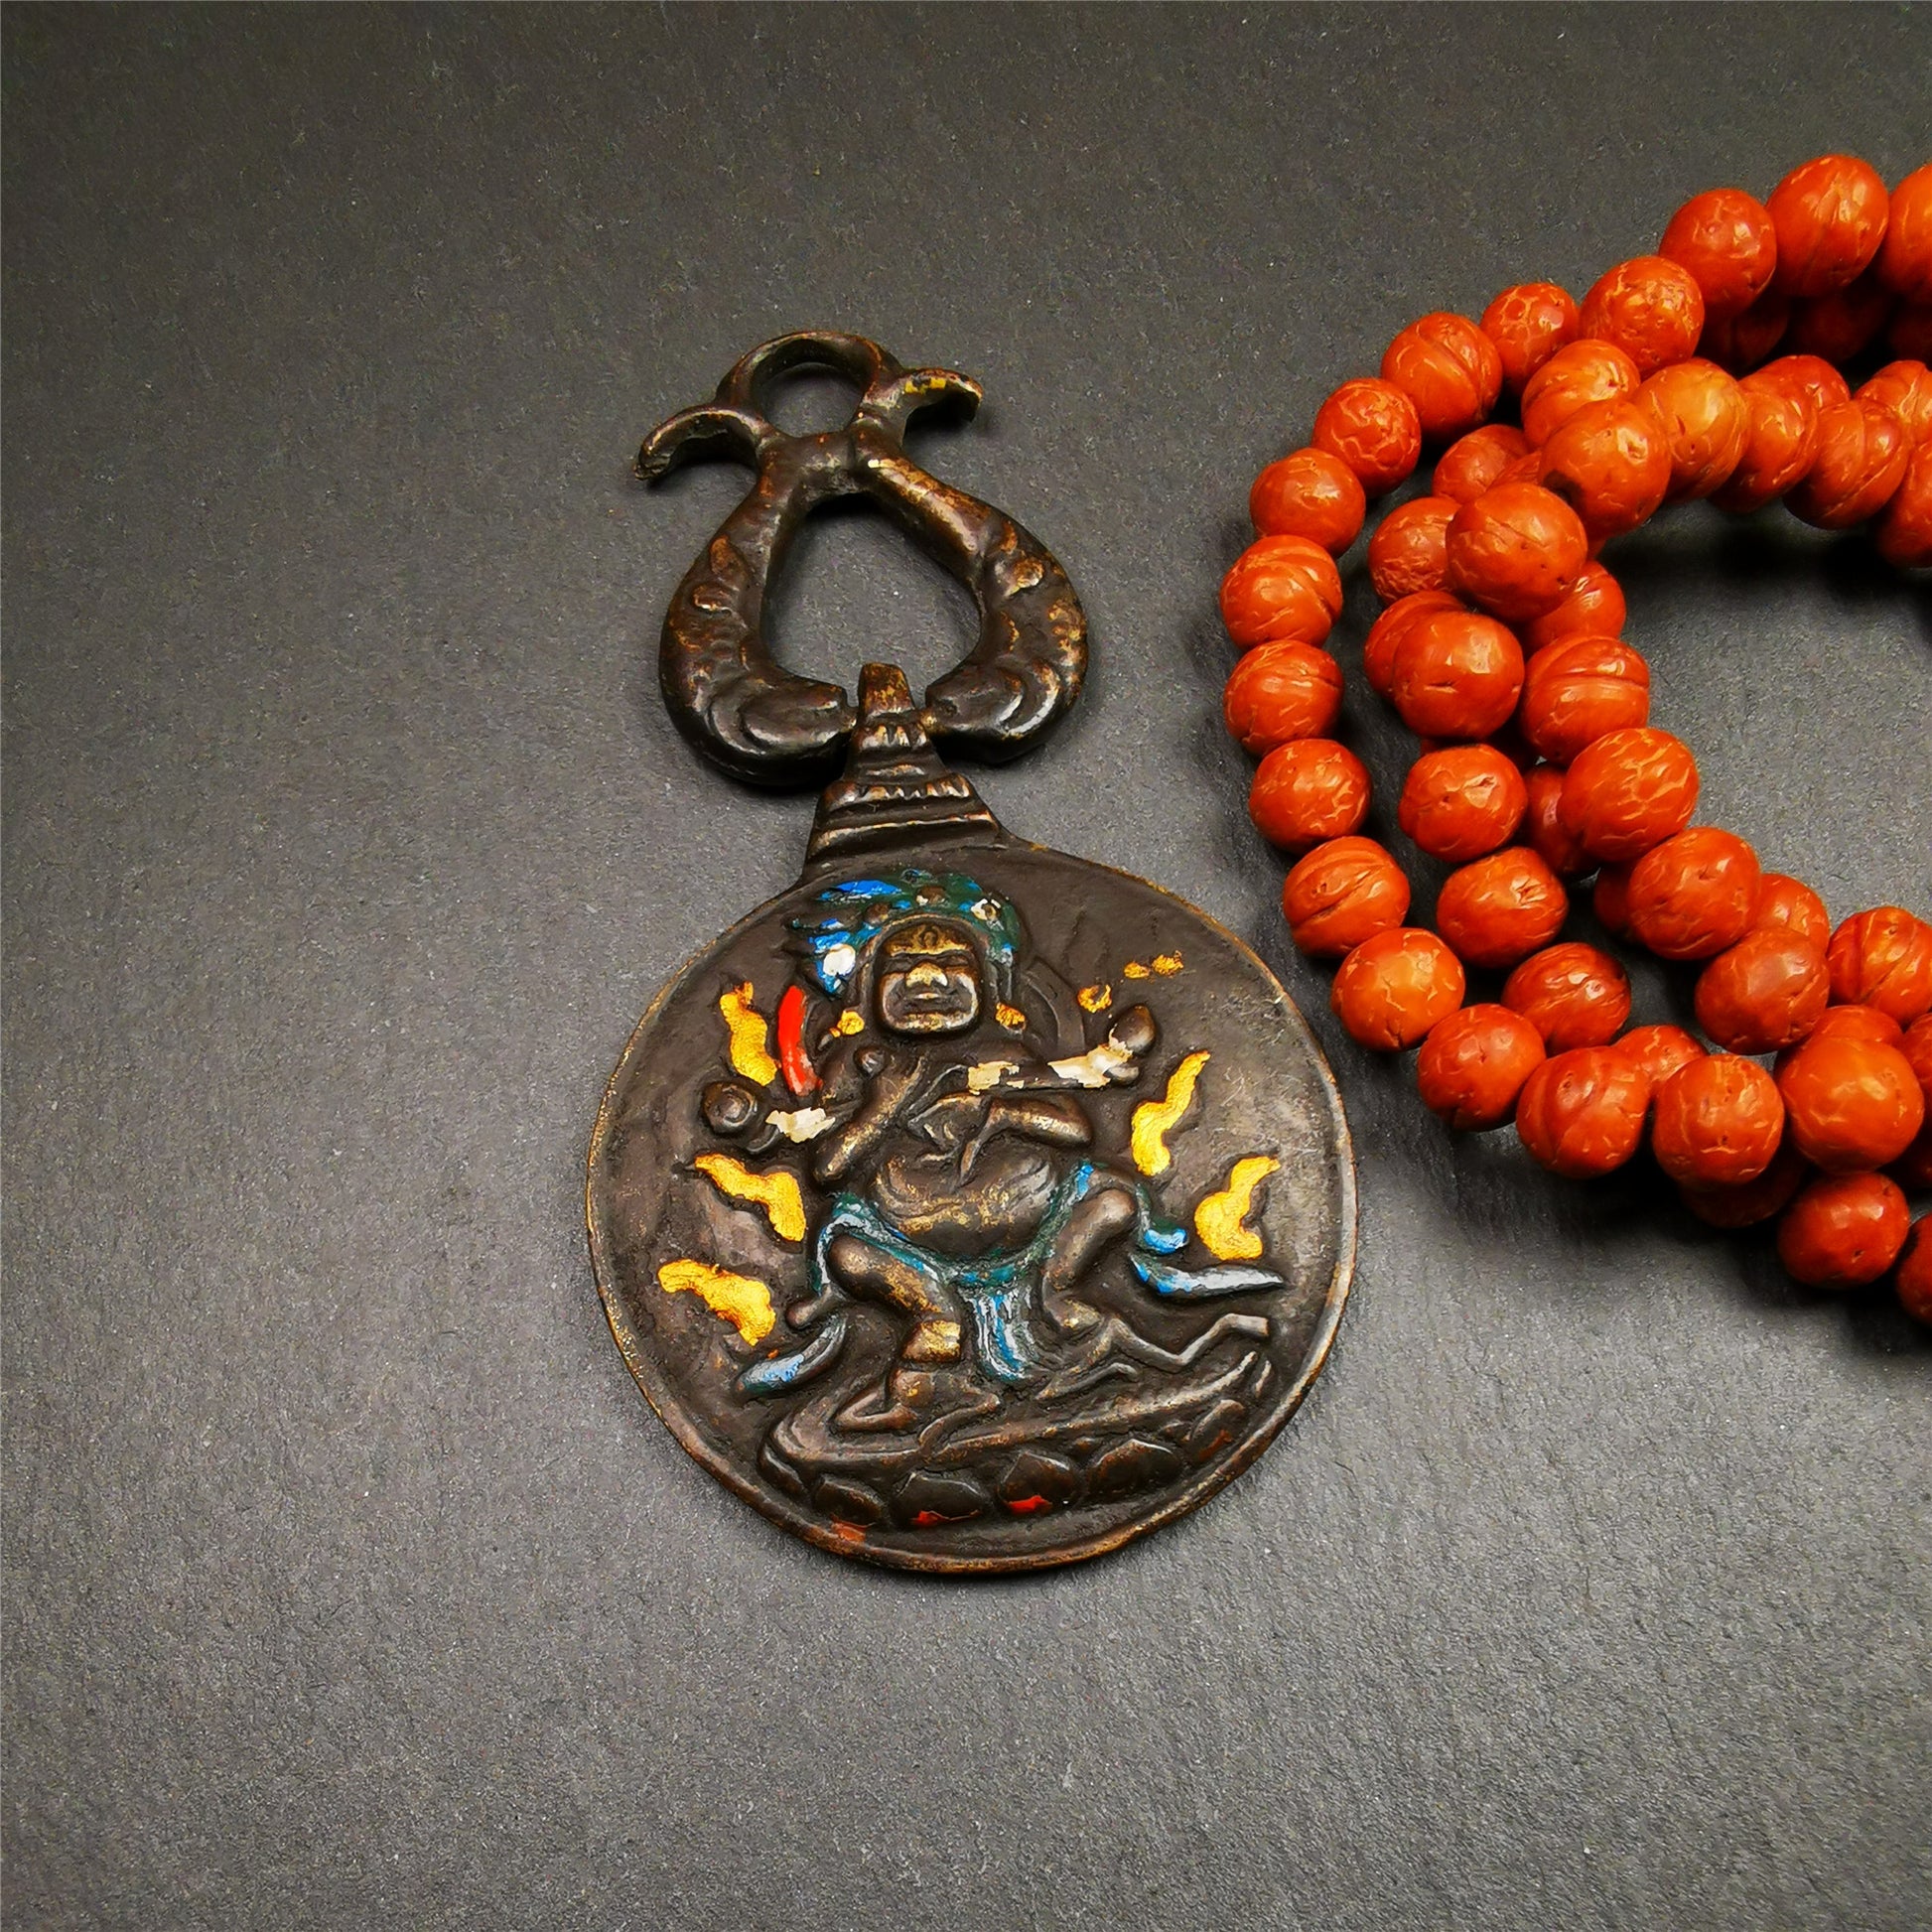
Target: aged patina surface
<point>969,1206</point>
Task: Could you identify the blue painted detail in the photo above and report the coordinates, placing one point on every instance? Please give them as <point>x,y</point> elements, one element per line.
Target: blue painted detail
<point>858,911</point>
<point>1197,1284</point>
<point>998,1290</point>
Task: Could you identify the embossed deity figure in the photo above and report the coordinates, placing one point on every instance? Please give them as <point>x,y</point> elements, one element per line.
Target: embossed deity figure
<point>967,1195</point>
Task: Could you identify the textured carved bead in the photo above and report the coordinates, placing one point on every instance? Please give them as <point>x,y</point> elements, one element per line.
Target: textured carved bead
<point>1391,989</point>
<point>1279,692</point>
<point>1727,243</point>
<point>1842,1230</point>
<point>1830,215</point>
<point>1373,427</point>
<point>1475,462</point>
<point>1582,374</point>
<point>1884,959</point>
<point>1853,1104</point>
<point>1461,802</point>
<point>1474,1064</point>
<point>1456,674</point>
<point>1307,791</point>
<point>1650,308</point>
<point>1281,590</point>
<point>1716,1122</point>
<point>1573,995</point>
<point>1630,790</point>
<point>1449,369</point>
<point>1766,992</point>
<point>1694,895</point>
<point>1309,493</point>
<point>1409,550</point>
<point>1576,691</point>
<point>1500,908</point>
<point>1341,893</point>
<point>1610,461</point>
<point>1594,608</point>
<point>1529,323</point>
<point>1516,551</point>
<point>1582,1113</point>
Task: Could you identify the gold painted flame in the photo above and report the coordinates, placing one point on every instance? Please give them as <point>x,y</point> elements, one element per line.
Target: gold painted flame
<point>1155,1120</point>
<point>1221,1219</point>
<point>748,1034</point>
<point>1095,999</point>
<point>741,1300</point>
<point>776,1191</point>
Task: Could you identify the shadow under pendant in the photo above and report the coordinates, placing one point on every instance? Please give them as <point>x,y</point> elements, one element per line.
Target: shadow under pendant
<point>968,1207</point>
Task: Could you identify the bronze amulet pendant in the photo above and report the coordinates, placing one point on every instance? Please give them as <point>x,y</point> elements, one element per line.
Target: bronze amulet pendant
<point>967,1208</point>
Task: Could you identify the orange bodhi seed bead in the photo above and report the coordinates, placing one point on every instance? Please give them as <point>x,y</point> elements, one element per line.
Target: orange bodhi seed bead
<point>1580,1113</point>
<point>1391,989</point>
<point>1860,460</point>
<point>1594,608</point>
<point>1904,529</point>
<point>1842,325</point>
<point>1854,1103</point>
<point>1752,1201</point>
<point>1473,1063</point>
<point>1660,1050</point>
<point>1475,462</point>
<point>1307,791</point>
<point>1905,388</point>
<point>1309,493</point>
<point>1341,893</point>
<point>1627,791</point>
<point>1448,368</point>
<point>1409,550</point>
<point>1573,995</point>
<point>1706,423</point>
<point>1461,802</point>
<point>1742,342</point>
<point>1456,674</point>
<point>1558,850</point>
<point>1582,374</point>
<point>1789,902</point>
<point>1500,908</point>
<point>1726,239</point>
<point>1718,1122</point>
<point>1766,992</point>
<point>1277,692</point>
<point>1516,551</point>
<point>1884,959</point>
<point>1806,377</point>
<point>1389,630</point>
<point>1650,308</point>
<point>1830,215</point>
<point>1851,1023</point>
<point>1904,261</point>
<point>1610,462</point>
<point>1915,1276</point>
<point>1694,895</point>
<point>1281,590</point>
<point>1844,1230</point>
<point>1780,443</point>
<point>1577,690</point>
<point>1373,427</point>
<point>1528,324</point>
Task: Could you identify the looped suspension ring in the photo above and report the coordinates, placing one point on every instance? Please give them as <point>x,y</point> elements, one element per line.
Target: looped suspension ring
<point>724,689</point>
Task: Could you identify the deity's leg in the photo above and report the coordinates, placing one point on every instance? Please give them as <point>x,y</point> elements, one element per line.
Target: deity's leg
<point>1106,1215</point>
<point>937,1333</point>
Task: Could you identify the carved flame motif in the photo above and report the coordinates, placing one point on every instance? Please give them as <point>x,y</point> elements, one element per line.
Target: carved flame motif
<point>750,1054</point>
<point>777,1191</point>
<point>1155,1120</point>
<point>741,1300</point>
<point>1221,1220</point>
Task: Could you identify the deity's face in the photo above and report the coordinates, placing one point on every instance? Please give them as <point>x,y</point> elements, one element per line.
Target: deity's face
<point>929,980</point>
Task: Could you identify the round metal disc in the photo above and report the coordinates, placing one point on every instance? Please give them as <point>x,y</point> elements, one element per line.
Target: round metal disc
<point>973,1212</point>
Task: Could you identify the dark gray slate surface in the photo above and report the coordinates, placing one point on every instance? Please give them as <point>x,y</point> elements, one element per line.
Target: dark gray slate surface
<point>348,1582</point>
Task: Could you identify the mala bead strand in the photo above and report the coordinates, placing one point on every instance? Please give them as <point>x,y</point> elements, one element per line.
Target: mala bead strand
<point>1707,369</point>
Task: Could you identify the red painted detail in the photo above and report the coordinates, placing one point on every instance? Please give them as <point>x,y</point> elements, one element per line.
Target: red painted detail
<point>929,1518</point>
<point>801,1075</point>
<point>1025,1505</point>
